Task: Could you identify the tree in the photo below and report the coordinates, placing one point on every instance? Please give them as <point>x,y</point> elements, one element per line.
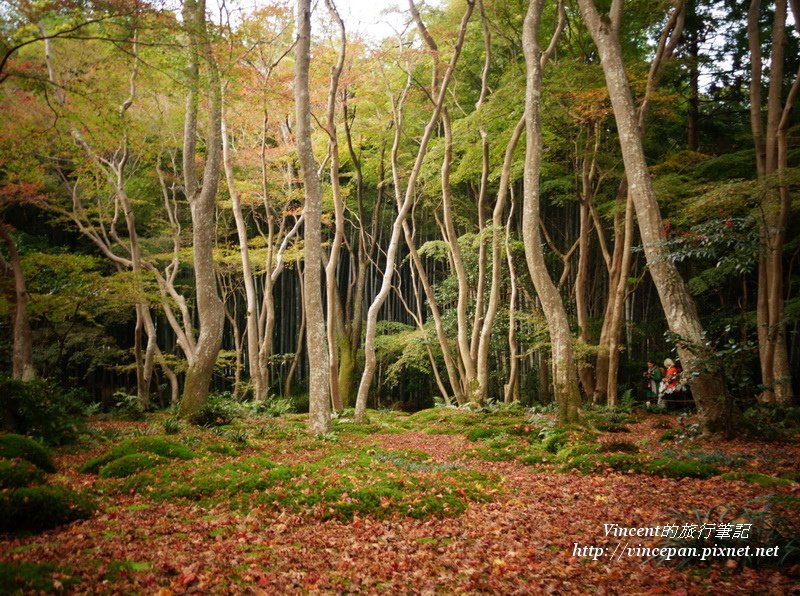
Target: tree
<point>319,416</point>
<point>771,144</point>
<point>22,357</point>
<point>679,308</point>
<point>211,314</point>
<point>565,378</point>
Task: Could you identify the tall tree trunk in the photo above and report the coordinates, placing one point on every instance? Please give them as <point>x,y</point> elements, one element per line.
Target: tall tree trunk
<point>564,374</point>
<point>22,352</point>
<point>370,361</point>
<point>679,308</point>
<point>210,312</point>
<point>331,287</point>
<point>771,161</point>
<point>319,415</point>
<point>496,282</point>
<point>257,373</point>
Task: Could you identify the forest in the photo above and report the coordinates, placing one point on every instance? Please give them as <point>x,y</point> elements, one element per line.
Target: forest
<point>293,306</point>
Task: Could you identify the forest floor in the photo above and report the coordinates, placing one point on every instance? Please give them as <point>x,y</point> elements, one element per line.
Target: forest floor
<point>441,501</point>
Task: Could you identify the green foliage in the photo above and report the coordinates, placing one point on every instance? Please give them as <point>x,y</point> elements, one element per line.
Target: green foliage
<point>128,465</point>
<point>42,507</point>
<point>769,422</point>
<point>220,409</point>
<point>15,473</point>
<point>42,409</point>
<point>16,446</point>
<point>274,406</point>
<point>172,425</point>
<point>153,445</point>
<point>127,406</point>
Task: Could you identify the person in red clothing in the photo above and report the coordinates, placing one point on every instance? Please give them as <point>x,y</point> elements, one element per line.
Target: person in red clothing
<point>671,383</point>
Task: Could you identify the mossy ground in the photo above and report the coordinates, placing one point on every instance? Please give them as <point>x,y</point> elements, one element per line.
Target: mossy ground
<point>239,488</point>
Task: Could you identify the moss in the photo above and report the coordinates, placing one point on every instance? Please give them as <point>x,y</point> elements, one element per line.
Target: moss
<point>12,446</point>
<point>618,447</point>
<point>611,427</point>
<point>571,451</point>
<point>128,465</point>
<point>670,434</point>
<point>155,445</point>
<point>681,468</point>
<point>342,484</point>
<point>620,462</point>
<point>117,568</point>
<point>40,508</point>
<point>558,438</point>
<point>537,458</point>
<point>15,473</point>
<point>756,478</point>
<point>222,449</point>
<point>482,432</point>
<point>28,578</point>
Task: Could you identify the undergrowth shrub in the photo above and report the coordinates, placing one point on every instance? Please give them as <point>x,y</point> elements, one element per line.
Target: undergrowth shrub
<point>42,409</point>
<point>41,507</point>
<point>220,409</point>
<point>15,473</point>
<point>16,446</point>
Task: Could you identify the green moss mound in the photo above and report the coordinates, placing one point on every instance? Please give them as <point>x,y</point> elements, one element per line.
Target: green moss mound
<point>18,446</point>
<point>128,465</point>
<point>27,578</point>
<point>681,468</point>
<point>154,445</point>
<point>756,478</point>
<point>42,507</point>
<point>16,473</point>
<point>639,464</point>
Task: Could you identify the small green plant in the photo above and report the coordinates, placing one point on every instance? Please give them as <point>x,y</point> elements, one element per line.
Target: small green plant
<point>172,425</point>
<point>273,406</point>
<point>15,473</point>
<point>128,406</point>
<point>12,446</point>
<point>219,410</point>
<point>41,507</point>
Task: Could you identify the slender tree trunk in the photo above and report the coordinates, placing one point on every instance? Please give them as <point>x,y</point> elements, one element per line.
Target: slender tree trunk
<point>331,287</point>
<point>370,361</point>
<point>22,352</point>
<point>211,315</point>
<point>257,373</point>
<point>771,161</point>
<point>679,308</point>
<point>564,374</point>
<point>301,331</point>
<point>496,281</point>
<point>319,415</point>
<point>511,390</point>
